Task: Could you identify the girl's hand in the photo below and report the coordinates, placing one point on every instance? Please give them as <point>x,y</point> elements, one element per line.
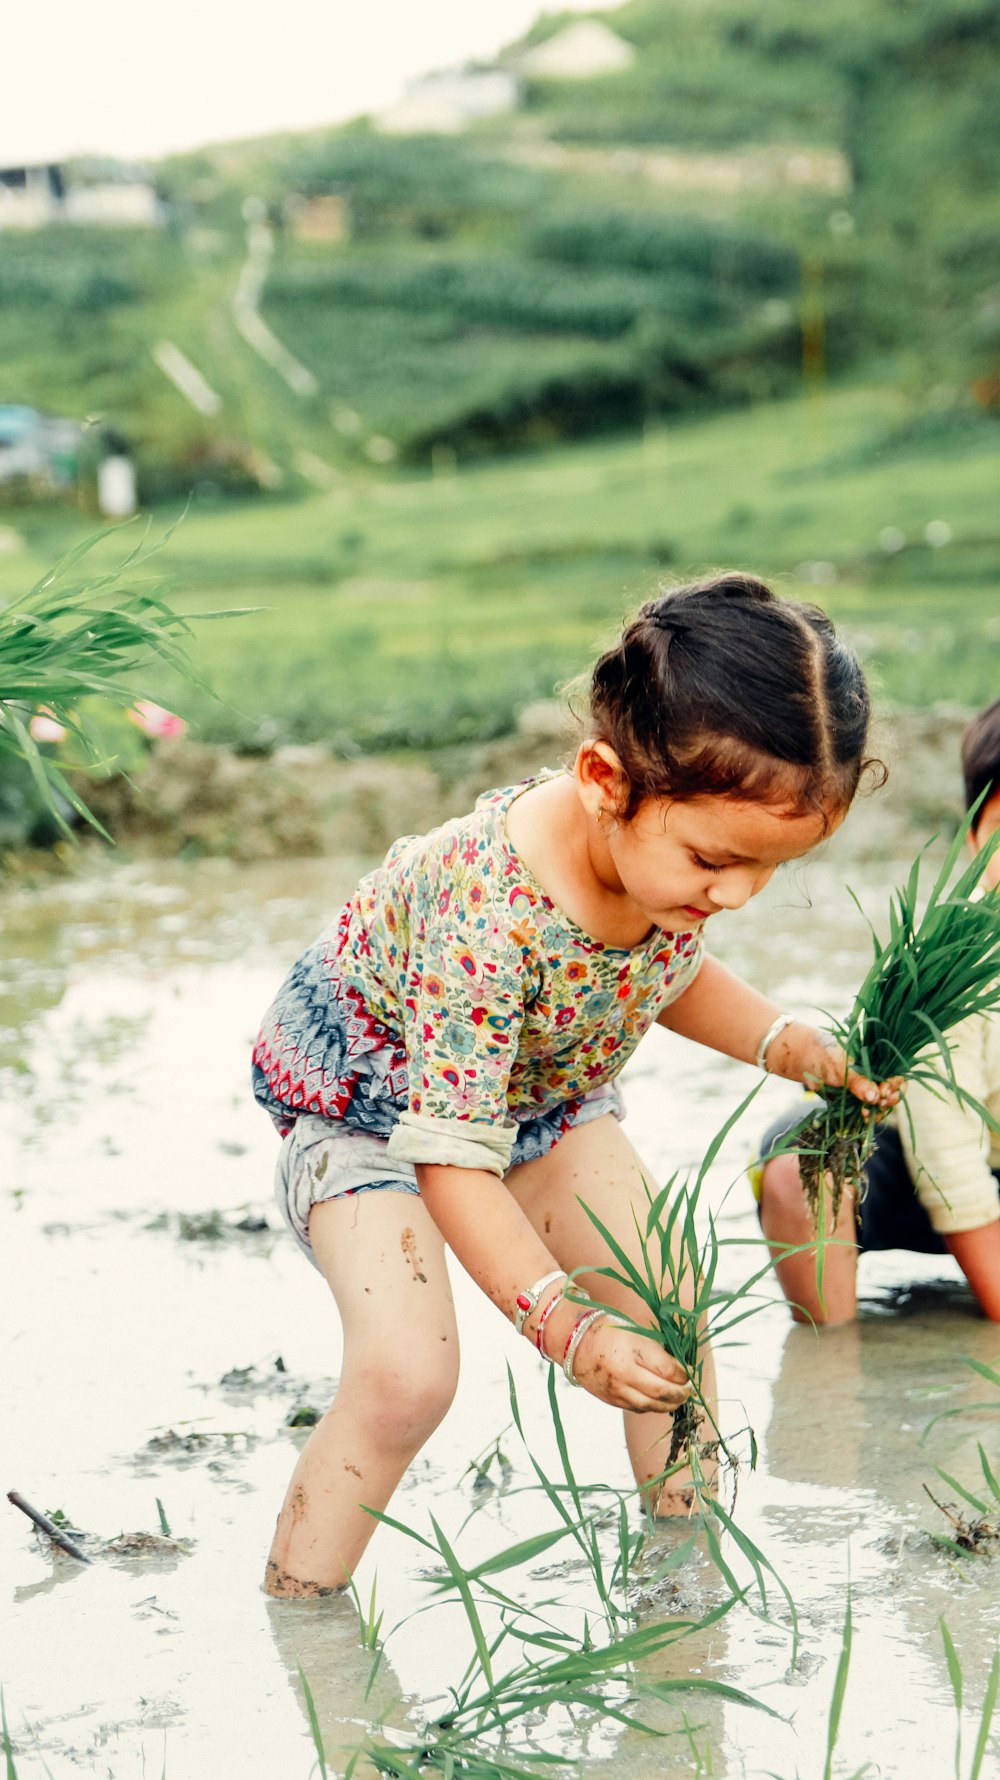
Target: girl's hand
<point>803,1054</point>
<point>631,1371</point>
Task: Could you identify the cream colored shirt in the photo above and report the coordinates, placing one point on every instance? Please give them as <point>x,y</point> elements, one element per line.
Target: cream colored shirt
<point>950,1151</point>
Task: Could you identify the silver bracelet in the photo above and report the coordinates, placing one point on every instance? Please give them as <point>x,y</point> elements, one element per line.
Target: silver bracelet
<point>769,1037</point>
<point>526,1302</point>
<point>585,1323</point>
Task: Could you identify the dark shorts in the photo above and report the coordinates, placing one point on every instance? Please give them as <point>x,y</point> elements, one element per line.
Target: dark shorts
<point>889,1214</point>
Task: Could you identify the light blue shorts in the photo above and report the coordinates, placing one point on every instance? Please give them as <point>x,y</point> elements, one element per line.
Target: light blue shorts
<point>323,1159</point>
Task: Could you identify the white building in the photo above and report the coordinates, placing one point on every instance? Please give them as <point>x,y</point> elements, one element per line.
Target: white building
<point>577,53</point>
<point>114,205</point>
<point>447,102</point>
<point>36,197</point>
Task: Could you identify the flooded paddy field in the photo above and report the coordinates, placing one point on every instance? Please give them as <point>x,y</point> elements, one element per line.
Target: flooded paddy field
<point>159,1332</point>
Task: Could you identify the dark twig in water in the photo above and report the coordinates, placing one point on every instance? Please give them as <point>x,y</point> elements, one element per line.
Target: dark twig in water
<point>45,1525</point>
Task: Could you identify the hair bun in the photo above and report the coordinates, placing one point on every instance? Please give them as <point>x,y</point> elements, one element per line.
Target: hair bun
<point>669,621</point>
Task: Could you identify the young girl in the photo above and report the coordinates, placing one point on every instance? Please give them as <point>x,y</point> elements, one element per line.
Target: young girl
<point>442,1062</point>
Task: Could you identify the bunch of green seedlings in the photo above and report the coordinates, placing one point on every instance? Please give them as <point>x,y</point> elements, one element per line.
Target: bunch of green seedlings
<point>928,976</point>
<point>677,1284</point>
<point>65,643</point>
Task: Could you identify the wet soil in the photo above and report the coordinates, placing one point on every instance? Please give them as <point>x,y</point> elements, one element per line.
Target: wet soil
<point>200,800</point>
<point>156,1349</point>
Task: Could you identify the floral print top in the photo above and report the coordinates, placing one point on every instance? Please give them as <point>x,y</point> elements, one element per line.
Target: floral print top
<point>485,1004</point>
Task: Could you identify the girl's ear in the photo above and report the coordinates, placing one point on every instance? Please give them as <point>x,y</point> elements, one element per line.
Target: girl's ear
<point>601,780</point>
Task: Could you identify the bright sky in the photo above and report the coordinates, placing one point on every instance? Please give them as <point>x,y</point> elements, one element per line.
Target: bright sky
<point>140,78</point>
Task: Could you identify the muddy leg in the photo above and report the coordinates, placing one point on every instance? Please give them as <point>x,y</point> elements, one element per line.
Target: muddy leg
<point>384,1261</point>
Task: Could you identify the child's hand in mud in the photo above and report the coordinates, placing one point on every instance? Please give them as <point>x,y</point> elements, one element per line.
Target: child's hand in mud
<point>630,1371</point>
<point>819,1061</point>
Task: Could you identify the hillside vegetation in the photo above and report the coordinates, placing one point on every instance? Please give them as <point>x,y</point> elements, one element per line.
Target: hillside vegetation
<point>516,287</point>
<point>422,610</point>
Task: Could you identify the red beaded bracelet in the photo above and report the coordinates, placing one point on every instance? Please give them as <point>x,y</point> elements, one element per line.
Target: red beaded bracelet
<point>555,1299</point>
<point>576,1335</point>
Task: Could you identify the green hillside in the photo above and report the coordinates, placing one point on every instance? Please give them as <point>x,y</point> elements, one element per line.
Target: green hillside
<point>421,609</point>
<point>521,284</point>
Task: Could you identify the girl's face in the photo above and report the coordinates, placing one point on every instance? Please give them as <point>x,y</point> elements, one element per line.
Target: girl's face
<point>680,863</point>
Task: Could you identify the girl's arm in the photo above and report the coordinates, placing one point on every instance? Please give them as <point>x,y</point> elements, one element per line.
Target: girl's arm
<point>978,1254</point>
<point>722,1011</point>
<point>498,1246</point>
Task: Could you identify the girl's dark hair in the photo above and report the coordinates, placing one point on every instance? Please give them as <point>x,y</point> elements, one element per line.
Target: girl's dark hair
<point>722,687</point>
<point>981,754</point>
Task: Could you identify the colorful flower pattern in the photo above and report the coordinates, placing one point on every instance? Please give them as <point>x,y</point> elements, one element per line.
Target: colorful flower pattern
<point>451,985</point>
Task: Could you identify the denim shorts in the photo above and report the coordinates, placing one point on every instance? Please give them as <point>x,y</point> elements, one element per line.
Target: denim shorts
<point>323,1159</point>
<point>888,1212</point>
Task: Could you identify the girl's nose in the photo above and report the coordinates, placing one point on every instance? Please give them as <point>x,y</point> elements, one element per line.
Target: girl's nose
<point>737,884</point>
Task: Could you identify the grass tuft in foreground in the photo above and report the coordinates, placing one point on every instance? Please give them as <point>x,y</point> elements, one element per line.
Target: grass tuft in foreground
<point>67,642</point>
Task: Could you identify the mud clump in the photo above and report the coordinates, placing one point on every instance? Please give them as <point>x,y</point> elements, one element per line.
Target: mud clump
<point>211,1226</point>
<point>303,1416</point>
<point>145,1545</point>
<point>186,1449</point>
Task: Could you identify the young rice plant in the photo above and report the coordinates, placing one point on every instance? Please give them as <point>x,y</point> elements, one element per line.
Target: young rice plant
<point>928,976</point>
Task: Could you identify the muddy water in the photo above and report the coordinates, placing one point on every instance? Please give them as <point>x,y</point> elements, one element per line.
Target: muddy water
<point>152,1348</point>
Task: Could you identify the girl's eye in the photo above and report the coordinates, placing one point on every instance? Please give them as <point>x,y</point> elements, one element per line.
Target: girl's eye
<point>704,863</point>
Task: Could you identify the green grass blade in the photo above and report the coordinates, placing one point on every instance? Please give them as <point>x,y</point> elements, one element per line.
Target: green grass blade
<point>665,1690</point>
<point>986,1718</point>
<point>988,1472</point>
<point>984,1371</point>
<point>317,1735</point>
<point>521,1553</point>
<point>461,1581</point>
<point>966,1495</point>
<point>8,1747</point>
<point>953,1664</point>
<point>839,1689</point>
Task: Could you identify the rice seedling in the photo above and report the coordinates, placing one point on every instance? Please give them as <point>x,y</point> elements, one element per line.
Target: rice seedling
<point>369,1626</point>
<point>470,1738</point>
<point>314,1725</point>
<point>987,1710</point>
<point>991,1375</point>
<point>836,1708</point>
<point>979,1534</point>
<point>677,1283</point>
<point>67,642</point>
<point>482,1465</point>
<point>930,974</point>
<point>8,1747</point>
<point>971,1535</point>
<point>592,1665</point>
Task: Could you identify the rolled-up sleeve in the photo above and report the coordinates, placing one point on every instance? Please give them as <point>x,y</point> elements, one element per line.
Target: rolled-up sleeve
<point>465,1011</point>
<point>946,1143</point>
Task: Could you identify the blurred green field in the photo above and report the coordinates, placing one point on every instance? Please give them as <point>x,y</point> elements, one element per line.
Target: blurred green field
<point>409,609</point>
